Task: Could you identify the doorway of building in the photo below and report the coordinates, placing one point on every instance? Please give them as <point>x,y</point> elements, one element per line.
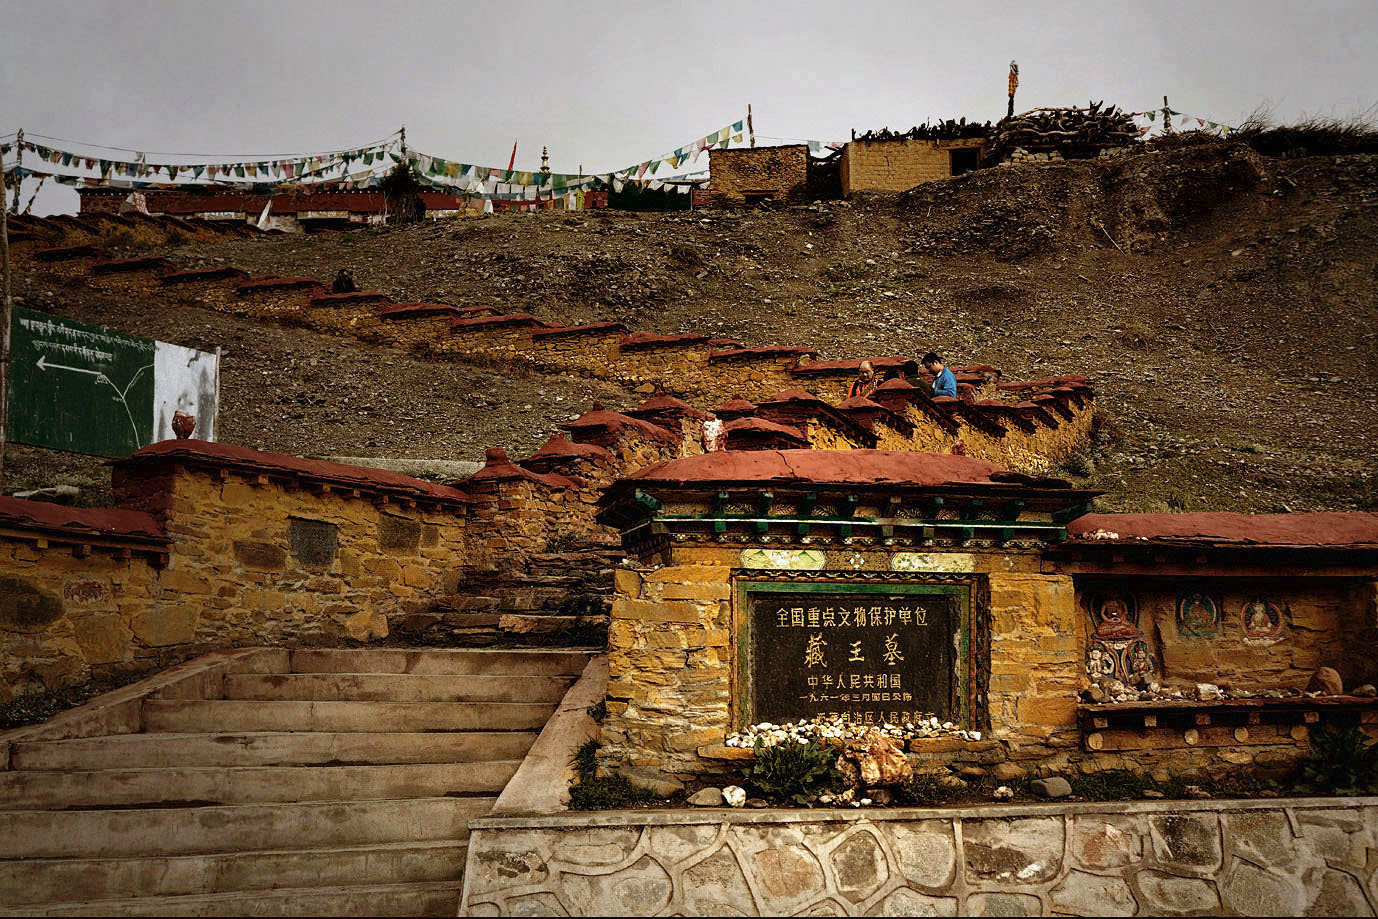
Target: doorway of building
<point>965,159</point>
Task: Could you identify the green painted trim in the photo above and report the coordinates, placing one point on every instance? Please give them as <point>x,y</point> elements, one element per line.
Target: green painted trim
<point>742,713</point>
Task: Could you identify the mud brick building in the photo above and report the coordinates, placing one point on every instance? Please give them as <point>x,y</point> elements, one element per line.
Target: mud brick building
<point>899,164</point>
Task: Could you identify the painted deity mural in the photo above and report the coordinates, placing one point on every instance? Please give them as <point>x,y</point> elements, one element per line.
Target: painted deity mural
<point>1117,649</point>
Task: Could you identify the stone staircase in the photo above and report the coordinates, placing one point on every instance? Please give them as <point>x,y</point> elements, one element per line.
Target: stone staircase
<point>338,784</point>
<point>561,600</point>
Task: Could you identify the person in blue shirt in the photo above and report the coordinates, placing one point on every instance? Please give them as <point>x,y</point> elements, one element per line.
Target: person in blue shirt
<point>944,381</point>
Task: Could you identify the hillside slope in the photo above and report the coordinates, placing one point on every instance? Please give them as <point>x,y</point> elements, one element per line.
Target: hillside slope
<point>1223,302</point>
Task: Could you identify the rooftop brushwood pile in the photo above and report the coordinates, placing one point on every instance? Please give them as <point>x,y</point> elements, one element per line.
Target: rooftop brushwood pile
<point>1076,133</point>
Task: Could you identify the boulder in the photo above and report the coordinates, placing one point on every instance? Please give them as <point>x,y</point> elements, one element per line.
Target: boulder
<point>657,783</point>
<point>707,797</point>
<point>874,761</point>
<point>1052,787</point>
<point>1327,681</point>
<point>1366,691</point>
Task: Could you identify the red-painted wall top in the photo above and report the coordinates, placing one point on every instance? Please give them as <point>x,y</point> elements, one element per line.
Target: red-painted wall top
<point>1202,529</point>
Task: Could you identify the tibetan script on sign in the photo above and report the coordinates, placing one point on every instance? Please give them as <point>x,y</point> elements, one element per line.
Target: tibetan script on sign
<point>869,658</point>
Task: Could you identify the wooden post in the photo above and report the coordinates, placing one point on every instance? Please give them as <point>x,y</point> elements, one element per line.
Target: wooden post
<point>750,127</point>
<point>1167,117</point>
<point>18,161</point>
<point>6,311</point>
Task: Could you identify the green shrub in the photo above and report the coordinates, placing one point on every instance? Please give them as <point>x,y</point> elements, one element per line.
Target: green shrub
<point>595,792</point>
<point>795,772</point>
<point>1342,761</point>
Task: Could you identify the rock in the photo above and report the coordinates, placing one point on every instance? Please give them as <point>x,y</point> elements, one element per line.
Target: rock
<point>1161,776</point>
<point>734,795</point>
<point>1052,787</point>
<point>1004,793</point>
<point>707,797</point>
<point>1207,692</point>
<point>1196,791</point>
<point>756,802</point>
<point>971,772</point>
<point>1154,794</point>
<point>1326,680</point>
<point>882,796</point>
<point>1366,691</point>
<point>658,784</point>
<point>874,761</point>
<point>951,781</point>
<point>1008,772</point>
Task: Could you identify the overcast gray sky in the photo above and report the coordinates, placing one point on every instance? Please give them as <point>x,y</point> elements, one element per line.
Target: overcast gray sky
<point>608,84</point>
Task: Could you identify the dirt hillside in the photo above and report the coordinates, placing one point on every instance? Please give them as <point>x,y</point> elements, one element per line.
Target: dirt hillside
<point>1223,302</point>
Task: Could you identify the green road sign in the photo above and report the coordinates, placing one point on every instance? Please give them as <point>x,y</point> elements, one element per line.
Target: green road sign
<point>87,389</point>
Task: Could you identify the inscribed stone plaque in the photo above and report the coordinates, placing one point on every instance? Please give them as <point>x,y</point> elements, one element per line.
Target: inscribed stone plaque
<point>313,541</point>
<point>398,534</point>
<point>868,657</point>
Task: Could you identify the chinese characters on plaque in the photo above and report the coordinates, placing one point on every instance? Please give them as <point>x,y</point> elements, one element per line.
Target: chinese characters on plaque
<point>867,659</point>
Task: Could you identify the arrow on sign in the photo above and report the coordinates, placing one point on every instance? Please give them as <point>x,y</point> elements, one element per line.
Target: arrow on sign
<point>45,366</point>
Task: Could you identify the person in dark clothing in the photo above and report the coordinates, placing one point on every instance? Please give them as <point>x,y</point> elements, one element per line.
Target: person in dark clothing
<point>944,380</point>
<point>344,282</point>
<point>865,382</point>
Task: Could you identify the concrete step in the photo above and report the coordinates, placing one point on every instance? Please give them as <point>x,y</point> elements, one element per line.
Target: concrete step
<point>207,785</point>
<point>392,687</point>
<point>38,881</point>
<point>235,828</point>
<point>186,716</point>
<point>459,660</point>
<point>269,748</point>
<point>436,898</point>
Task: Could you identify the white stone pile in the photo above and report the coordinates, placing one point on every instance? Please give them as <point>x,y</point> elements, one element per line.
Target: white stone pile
<point>837,731</point>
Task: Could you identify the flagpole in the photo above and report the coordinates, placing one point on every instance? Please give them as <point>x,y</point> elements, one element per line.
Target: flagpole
<point>6,312</point>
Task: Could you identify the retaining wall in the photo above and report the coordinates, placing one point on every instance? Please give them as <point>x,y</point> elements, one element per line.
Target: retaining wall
<point>1284,857</point>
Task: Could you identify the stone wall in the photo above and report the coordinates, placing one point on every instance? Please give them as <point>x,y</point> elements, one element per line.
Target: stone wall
<point>1285,857</point>
<point>898,165</point>
<point>248,549</point>
<point>780,172</point>
<point>674,640</point>
<point>672,650</point>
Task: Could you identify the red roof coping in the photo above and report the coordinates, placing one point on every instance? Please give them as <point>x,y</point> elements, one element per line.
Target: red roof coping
<point>835,467</point>
<point>412,310</point>
<point>662,403</point>
<point>1046,382</point>
<point>479,322</point>
<point>121,265</point>
<point>1330,530</point>
<point>78,522</point>
<point>878,363</point>
<point>647,340</point>
<point>600,418</point>
<point>862,403</point>
<point>742,353</point>
<point>560,330</point>
<point>498,468</point>
<point>735,405</point>
<point>68,253</point>
<point>354,297</point>
<point>762,426</point>
<point>559,447</point>
<point>792,395</point>
<point>898,386</point>
<point>243,459</point>
<point>205,274</point>
<point>275,283</point>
